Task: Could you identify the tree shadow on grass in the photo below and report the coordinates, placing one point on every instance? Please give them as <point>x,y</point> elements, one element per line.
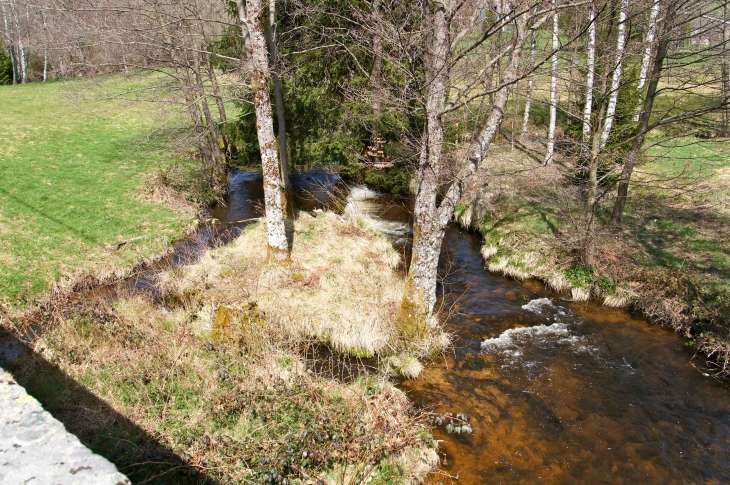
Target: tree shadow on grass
<point>98,426</point>
<point>685,239</point>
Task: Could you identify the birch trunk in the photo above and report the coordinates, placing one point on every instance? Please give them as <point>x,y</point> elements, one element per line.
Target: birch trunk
<point>420,293</point>
<point>21,48</point>
<point>648,50</point>
<point>279,101</point>
<point>431,219</point>
<point>253,23</point>
<point>553,88</point>
<point>590,78</point>
<point>525,133</point>
<point>45,47</point>
<point>10,43</point>
<point>617,72</point>
<point>644,116</point>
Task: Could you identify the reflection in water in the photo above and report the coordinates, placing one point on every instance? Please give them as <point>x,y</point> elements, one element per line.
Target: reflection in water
<point>556,392</point>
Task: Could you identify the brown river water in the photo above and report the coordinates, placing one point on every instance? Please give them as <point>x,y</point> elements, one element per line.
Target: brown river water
<point>555,391</point>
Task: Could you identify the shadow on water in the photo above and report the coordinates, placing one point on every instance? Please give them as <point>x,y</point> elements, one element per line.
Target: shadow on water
<point>98,426</point>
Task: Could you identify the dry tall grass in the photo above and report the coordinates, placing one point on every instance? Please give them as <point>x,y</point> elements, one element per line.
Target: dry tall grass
<point>342,287</point>
<point>211,363</point>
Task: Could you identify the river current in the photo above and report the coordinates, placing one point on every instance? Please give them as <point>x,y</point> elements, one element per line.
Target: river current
<point>555,391</point>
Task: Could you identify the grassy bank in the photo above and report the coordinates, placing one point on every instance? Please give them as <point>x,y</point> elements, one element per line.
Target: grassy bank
<point>670,259</point>
<point>71,173</point>
<point>223,371</point>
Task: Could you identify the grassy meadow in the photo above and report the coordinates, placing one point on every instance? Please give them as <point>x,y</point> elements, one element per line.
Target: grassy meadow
<point>71,173</point>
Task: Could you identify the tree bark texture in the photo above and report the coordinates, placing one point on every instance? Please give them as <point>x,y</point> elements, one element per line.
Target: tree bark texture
<point>617,73</point>
<point>420,293</point>
<point>279,100</point>
<point>525,133</point>
<point>553,88</point>
<point>590,79</point>
<point>431,219</point>
<point>260,75</point>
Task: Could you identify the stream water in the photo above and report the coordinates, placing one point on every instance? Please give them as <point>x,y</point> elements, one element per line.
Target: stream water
<point>556,392</point>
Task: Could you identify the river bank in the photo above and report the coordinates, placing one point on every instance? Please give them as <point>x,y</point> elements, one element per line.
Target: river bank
<point>223,364</point>
<point>669,260</point>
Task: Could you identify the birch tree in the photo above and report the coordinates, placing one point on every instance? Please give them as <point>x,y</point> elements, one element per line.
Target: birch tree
<point>590,77</point>
<point>648,50</point>
<point>431,217</point>
<point>525,132</point>
<point>617,73</point>
<point>278,99</point>
<point>553,88</point>
<point>252,22</point>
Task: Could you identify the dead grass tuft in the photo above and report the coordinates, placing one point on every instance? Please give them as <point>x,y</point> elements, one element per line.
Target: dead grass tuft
<point>580,294</point>
<point>488,250</point>
<point>340,289</point>
<point>557,281</point>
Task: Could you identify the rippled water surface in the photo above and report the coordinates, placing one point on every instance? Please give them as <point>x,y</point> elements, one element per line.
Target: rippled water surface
<point>556,392</point>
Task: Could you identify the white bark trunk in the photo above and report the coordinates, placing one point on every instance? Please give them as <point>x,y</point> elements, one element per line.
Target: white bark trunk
<point>553,88</point>
<point>21,48</point>
<point>617,72</point>
<point>45,47</point>
<point>590,77</point>
<point>431,220</point>
<point>273,190</point>
<point>648,50</point>
<point>420,293</point>
<point>525,134</point>
<point>9,41</point>
<point>279,99</point>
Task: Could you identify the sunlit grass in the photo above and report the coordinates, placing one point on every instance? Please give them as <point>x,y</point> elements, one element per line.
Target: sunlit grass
<point>70,177</point>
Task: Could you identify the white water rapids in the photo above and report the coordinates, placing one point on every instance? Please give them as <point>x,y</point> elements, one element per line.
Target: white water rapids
<point>363,202</point>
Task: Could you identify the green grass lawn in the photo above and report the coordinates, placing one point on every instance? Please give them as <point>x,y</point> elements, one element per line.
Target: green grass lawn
<point>70,178</point>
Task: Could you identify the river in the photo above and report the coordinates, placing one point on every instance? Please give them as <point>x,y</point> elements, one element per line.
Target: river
<point>555,391</point>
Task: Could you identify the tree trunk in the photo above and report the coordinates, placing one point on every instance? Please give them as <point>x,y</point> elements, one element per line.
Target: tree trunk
<point>21,49</point>
<point>725,72</point>
<point>553,88</point>
<point>45,47</point>
<point>273,191</point>
<point>377,72</point>
<point>431,219</point>
<point>420,292</point>
<point>590,77</point>
<point>644,116</point>
<point>525,133</point>
<point>648,49</point>
<point>279,101</point>
<point>617,72</point>
<point>10,42</point>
